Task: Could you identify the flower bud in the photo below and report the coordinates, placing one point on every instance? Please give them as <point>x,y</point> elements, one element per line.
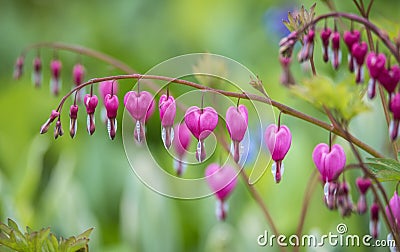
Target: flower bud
<point>37,72</point>
<point>73,123</point>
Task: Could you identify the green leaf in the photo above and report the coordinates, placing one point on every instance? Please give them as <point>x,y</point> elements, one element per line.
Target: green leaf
<point>384,169</point>
<point>85,234</point>
<point>344,99</point>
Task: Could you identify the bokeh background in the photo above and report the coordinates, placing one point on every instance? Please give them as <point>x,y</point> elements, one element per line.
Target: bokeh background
<point>72,185</point>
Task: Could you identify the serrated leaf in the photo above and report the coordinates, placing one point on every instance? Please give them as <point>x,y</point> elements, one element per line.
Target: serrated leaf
<point>343,99</point>
<point>384,169</point>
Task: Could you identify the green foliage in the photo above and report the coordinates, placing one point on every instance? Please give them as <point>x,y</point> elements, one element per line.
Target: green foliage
<point>385,169</point>
<point>12,239</point>
<point>343,99</point>
<point>297,20</point>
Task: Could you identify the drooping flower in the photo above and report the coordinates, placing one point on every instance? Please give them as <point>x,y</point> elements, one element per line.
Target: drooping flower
<point>37,72</point>
<point>91,102</point>
<point>167,109</point>
<point>376,65</point>
<point>45,127</point>
<point>362,184</point>
<point>105,88</point>
<point>111,104</point>
<point>358,52</point>
<point>78,73</point>
<point>236,123</point>
<point>336,53</point>
<point>286,76</point>
<point>222,181</point>
<point>374,225</point>
<point>325,36</point>
<point>394,107</point>
<point>58,131</point>
<point>344,202</point>
<point>330,162</point>
<point>55,81</point>
<point>278,140</point>
<point>350,38</point>
<point>394,205</point>
<point>201,122</point>
<point>307,50</point>
<point>73,123</point>
<point>389,79</point>
<point>19,67</point>
<point>140,106</point>
<point>181,144</point>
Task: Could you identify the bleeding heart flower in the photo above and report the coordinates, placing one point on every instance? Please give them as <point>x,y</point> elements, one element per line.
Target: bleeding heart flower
<point>358,52</point>
<point>375,64</point>
<point>111,104</point>
<point>222,181</point>
<point>390,78</point>
<point>336,53</point>
<point>350,38</point>
<point>394,205</point>
<point>167,109</point>
<point>55,81</point>
<point>181,144</point>
<point>91,102</point>
<point>201,122</point>
<point>73,123</point>
<point>307,50</point>
<point>325,36</point>
<point>236,123</point>
<point>394,107</point>
<point>330,162</point>
<point>362,184</point>
<point>374,221</point>
<point>140,107</point>
<point>278,141</point>
<point>37,72</point>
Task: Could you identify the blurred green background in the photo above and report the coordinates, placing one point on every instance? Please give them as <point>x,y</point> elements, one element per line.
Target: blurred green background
<point>71,185</point>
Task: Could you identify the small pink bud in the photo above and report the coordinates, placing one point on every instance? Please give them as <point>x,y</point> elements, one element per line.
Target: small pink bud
<point>19,67</point>
<point>78,74</point>
<point>58,131</point>
<point>236,123</point>
<point>55,82</point>
<point>329,161</point>
<point>73,123</point>
<point>363,184</point>
<point>350,38</point>
<point>286,76</point>
<point>222,181</point>
<point>278,141</point>
<point>337,54</point>
<point>374,225</point>
<point>45,127</point>
<point>344,202</point>
<point>375,64</point>
<point>325,36</point>
<point>37,72</point>
<point>201,122</point>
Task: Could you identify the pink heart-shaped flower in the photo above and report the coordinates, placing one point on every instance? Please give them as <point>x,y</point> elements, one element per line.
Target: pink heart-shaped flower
<point>236,122</point>
<point>359,51</point>
<point>376,64</point>
<point>350,38</point>
<point>394,205</point>
<point>111,103</point>
<point>222,180</point>
<point>182,139</point>
<point>390,78</point>
<point>363,184</point>
<point>167,109</point>
<point>329,161</point>
<point>201,122</point>
<point>139,104</point>
<point>278,141</point>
